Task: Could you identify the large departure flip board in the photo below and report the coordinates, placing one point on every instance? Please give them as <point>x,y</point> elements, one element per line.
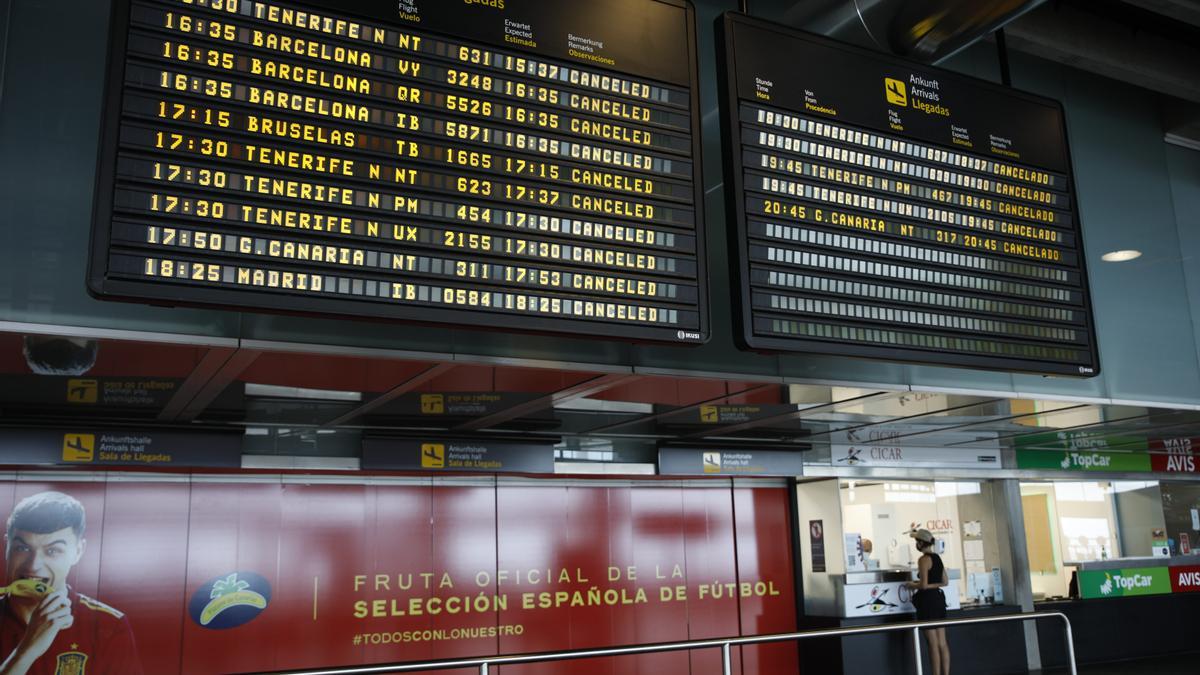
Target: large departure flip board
<point>518,164</point>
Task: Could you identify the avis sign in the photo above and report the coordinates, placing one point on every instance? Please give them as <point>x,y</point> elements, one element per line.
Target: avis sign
<point>1185,579</point>
<point>1174,455</point>
<point>1124,582</point>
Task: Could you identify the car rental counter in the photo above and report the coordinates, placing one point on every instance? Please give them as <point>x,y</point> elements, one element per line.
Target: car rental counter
<point>1126,608</point>
<point>876,597</point>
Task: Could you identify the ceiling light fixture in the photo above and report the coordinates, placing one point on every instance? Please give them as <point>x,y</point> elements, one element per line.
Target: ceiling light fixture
<point>274,391</point>
<point>1121,256</point>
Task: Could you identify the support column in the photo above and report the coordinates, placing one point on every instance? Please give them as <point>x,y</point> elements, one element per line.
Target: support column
<point>1007,496</point>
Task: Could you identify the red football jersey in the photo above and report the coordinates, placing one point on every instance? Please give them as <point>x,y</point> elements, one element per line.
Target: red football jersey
<point>99,642</point>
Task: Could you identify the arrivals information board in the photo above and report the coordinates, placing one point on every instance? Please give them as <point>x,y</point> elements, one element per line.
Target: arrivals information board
<point>885,209</point>
<point>525,164</point>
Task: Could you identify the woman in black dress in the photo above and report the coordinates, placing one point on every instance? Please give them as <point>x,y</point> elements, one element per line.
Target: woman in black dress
<point>930,601</point>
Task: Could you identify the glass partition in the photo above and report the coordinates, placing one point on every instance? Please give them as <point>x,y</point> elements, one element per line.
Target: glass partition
<point>960,514</point>
<point>1072,522</point>
<point>1181,514</point>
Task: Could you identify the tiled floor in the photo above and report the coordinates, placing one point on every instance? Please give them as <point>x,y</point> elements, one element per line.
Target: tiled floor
<point>1188,664</point>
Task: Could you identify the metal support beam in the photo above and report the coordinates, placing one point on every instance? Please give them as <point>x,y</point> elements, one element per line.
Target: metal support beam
<point>993,420</point>
<point>910,418</point>
<point>594,385</point>
<point>393,393</point>
<point>715,643</point>
<point>211,363</point>
<point>1002,57</point>
<point>221,379</point>
<point>916,643</point>
<point>1187,11</point>
<point>1092,42</point>
<point>1036,432</point>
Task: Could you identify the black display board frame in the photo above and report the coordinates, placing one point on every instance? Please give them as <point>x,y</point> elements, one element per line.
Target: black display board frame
<point>101,286</point>
<point>737,219</point>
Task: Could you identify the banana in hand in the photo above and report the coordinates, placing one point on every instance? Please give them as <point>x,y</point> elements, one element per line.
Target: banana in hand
<point>27,588</point>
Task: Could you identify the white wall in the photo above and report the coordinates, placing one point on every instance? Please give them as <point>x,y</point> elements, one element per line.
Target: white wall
<point>1141,511</point>
<point>818,500</point>
<point>885,511</point>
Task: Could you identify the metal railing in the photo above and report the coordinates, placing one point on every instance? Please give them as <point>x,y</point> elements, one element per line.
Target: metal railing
<point>724,644</point>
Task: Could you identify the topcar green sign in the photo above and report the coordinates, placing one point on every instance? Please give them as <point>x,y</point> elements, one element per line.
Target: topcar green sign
<point>1124,582</point>
<point>1083,460</point>
<point>1081,441</point>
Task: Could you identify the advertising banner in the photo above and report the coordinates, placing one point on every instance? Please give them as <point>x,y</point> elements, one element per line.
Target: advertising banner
<point>1124,582</point>
<point>241,577</point>
<point>1160,546</point>
<point>855,557</point>
<point>816,544</point>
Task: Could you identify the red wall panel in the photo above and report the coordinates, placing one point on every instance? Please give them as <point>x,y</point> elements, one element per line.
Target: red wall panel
<point>765,556</point>
<point>8,492</point>
<point>658,545</point>
<point>535,523</point>
<point>709,538</point>
<point>234,528</point>
<point>462,536</point>
<point>368,573</point>
<point>143,566</point>
<point>330,372</point>
<point>397,554</point>
<point>596,537</point>
<point>323,543</point>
